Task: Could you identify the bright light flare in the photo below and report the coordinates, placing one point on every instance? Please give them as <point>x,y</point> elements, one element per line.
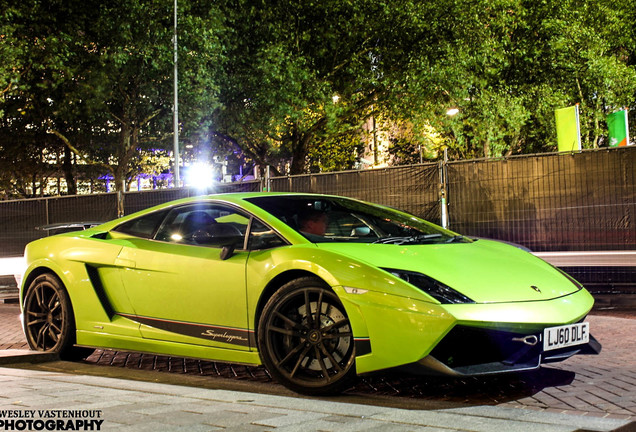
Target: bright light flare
<point>200,175</point>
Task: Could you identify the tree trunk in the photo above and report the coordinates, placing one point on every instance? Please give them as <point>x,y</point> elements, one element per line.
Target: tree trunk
<point>299,145</point>
<point>120,187</point>
<point>596,126</point>
<point>298,160</point>
<point>487,147</point>
<point>123,158</point>
<point>67,167</point>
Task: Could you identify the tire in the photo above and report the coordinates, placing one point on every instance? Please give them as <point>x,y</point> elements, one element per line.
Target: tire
<point>48,320</point>
<point>310,353</point>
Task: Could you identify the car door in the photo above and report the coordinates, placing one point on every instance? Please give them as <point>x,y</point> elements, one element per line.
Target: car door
<point>180,287</point>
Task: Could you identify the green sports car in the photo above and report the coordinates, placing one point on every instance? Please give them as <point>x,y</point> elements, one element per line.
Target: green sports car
<point>317,288</point>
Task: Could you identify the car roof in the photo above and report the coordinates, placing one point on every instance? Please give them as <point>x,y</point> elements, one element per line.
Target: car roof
<point>237,198</point>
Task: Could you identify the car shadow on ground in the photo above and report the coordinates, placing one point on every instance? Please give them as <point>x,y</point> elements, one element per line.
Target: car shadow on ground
<point>401,387</point>
<point>485,389</point>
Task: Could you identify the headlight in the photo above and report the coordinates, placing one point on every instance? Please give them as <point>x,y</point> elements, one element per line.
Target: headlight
<point>439,291</point>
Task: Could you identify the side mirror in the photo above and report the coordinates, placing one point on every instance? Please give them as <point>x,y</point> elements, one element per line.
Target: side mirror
<point>227,251</point>
<point>360,232</point>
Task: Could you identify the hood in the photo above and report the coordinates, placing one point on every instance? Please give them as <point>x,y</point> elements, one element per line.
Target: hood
<point>486,271</point>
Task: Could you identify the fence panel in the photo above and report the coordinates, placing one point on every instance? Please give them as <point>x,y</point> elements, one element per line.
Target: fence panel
<point>558,202</point>
<point>137,201</point>
<point>18,220</point>
<point>82,208</point>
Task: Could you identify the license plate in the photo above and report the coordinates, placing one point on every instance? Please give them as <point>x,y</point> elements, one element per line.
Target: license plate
<point>565,336</point>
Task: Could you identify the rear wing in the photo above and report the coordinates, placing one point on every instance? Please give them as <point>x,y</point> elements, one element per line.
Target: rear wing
<point>58,228</point>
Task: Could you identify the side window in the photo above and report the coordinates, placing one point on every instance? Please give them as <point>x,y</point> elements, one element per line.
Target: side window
<point>144,226</point>
<point>263,237</point>
<point>214,225</point>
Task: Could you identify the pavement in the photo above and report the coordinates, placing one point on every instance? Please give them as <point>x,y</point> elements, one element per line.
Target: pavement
<point>584,393</point>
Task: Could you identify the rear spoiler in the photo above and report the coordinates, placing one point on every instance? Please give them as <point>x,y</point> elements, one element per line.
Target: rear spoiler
<point>71,226</point>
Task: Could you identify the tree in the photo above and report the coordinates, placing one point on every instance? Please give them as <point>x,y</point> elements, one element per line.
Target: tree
<point>134,74</point>
<point>290,83</point>
<point>24,162</point>
<point>296,75</point>
<point>11,50</point>
<point>590,54</point>
<point>37,50</point>
<point>509,64</point>
<point>98,76</point>
<point>413,141</point>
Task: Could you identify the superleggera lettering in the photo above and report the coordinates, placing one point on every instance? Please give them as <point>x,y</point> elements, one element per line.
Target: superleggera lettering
<point>228,337</point>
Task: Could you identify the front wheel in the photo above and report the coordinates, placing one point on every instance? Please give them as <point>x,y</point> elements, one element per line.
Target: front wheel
<point>48,318</point>
<point>305,338</point>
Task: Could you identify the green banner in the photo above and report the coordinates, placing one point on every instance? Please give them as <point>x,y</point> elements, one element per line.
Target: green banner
<point>618,129</point>
<point>567,124</point>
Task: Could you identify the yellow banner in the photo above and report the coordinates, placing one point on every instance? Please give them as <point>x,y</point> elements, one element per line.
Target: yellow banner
<point>568,132</point>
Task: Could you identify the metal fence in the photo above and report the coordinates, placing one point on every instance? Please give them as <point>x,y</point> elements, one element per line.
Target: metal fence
<point>20,219</point>
<point>552,202</point>
<point>556,202</point>
<point>584,201</point>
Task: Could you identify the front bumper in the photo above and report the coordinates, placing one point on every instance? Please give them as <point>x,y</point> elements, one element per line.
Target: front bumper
<point>399,331</point>
<point>477,351</point>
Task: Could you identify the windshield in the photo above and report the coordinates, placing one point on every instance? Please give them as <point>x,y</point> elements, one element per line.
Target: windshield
<point>335,219</point>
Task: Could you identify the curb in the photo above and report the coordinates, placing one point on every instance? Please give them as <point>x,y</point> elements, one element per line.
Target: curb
<point>9,299</point>
<point>11,356</point>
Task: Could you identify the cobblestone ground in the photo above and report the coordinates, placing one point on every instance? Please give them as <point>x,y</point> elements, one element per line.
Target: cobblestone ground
<point>603,385</point>
<point>599,386</point>
<point>11,336</point>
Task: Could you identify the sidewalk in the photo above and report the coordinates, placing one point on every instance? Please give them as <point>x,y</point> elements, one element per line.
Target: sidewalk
<point>600,397</point>
<point>141,406</point>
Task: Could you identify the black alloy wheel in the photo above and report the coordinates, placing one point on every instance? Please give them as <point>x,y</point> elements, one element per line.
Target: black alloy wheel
<point>48,318</point>
<point>305,338</point>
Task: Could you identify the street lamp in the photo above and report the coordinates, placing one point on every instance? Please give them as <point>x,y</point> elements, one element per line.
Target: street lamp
<point>177,180</point>
<point>442,172</point>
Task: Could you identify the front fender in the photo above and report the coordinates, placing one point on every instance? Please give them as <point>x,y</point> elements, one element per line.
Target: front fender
<point>392,322</point>
<point>334,268</point>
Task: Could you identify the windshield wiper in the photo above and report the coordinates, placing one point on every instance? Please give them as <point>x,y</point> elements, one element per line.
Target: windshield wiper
<point>457,238</point>
<point>398,240</point>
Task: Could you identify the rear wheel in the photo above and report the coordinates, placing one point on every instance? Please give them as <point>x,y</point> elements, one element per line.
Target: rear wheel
<point>48,318</point>
<point>305,338</point>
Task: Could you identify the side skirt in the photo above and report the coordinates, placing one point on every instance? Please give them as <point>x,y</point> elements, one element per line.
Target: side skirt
<point>125,343</point>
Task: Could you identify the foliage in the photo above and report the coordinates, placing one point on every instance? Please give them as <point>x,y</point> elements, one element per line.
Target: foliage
<point>413,141</point>
<point>23,161</point>
<point>290,83</point>
<point>98,76</point>
<point>515,62</point>
<point>338,153</point>
<point>297,75</point>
